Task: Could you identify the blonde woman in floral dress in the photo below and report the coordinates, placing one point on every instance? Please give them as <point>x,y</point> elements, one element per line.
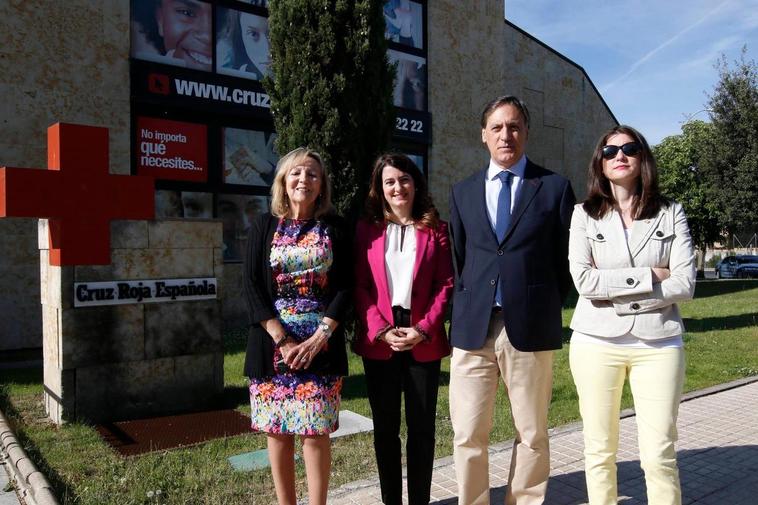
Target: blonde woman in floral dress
<point>297,279</point>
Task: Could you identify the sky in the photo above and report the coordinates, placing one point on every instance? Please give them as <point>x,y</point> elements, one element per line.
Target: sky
<point>652,61</point>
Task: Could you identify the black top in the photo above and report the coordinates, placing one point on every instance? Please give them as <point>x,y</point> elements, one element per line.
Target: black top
<point>260,292</point>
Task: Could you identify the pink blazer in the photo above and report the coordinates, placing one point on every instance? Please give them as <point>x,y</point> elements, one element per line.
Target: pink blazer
<point>432,287</point>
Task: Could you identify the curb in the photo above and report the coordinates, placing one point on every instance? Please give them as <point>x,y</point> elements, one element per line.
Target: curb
<point>30,483</point>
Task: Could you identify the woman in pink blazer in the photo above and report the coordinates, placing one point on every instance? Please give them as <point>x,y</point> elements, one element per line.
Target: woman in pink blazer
<point>404,278</point>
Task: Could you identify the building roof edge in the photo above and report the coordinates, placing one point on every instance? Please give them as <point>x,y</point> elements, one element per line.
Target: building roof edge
<point>567,60</point>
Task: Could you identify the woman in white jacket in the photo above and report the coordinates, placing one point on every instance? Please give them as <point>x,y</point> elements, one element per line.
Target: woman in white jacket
<point>631,259</point>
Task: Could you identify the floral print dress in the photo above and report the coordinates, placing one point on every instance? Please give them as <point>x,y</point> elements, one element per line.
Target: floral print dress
<point>298,402</point>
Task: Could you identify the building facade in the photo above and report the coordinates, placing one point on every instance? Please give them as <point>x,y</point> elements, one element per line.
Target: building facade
<point>100,63</point>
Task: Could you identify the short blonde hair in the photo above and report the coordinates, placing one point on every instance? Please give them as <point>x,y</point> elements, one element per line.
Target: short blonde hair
<point>280,201</point>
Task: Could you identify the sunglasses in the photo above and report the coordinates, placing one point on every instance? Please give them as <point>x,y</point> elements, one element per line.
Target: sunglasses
<point>629,149</point>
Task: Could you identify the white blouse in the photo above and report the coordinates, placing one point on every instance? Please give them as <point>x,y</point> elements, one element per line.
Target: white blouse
<point>400,258</point>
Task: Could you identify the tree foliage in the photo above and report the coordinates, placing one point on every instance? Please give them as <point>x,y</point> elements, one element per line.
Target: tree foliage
<point>332,87</point>
<point>734,113</point>
<point>684,163</point>
<point>712,168</point>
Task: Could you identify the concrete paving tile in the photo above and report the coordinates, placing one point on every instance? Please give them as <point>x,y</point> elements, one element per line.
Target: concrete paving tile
<point>717,455</point>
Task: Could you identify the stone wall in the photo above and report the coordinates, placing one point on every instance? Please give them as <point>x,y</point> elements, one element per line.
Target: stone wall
<point>478,56</point>
<point>120,362</point>
<point>19,285</point>
<point>59,62</point>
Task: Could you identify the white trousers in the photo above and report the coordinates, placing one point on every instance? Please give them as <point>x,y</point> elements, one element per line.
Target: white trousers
<point>656,377</point>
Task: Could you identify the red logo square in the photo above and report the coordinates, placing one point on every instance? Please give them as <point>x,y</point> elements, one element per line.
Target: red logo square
<point>158,84</point>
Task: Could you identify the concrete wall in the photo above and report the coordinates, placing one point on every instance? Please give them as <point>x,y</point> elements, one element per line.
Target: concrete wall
<point>111,363</point>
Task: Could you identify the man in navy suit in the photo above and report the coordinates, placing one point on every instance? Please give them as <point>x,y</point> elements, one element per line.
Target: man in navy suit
<point>509,224</point>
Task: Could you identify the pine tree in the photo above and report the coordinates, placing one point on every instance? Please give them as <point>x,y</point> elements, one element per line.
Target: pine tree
<point>332,87</point>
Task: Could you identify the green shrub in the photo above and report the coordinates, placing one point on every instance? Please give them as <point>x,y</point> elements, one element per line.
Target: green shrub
<point>332,87</point>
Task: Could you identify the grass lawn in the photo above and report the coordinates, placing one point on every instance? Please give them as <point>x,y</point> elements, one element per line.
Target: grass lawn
<point>721,345</point>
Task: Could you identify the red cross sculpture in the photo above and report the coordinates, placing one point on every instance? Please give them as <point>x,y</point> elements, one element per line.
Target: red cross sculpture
<point>77,194</point>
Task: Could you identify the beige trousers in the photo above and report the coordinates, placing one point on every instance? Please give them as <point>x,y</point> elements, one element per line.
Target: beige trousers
<point>656,377</point>
<point>474,379</point>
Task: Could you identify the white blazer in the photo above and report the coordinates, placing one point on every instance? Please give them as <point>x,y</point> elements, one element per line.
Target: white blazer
<point>614,280</point>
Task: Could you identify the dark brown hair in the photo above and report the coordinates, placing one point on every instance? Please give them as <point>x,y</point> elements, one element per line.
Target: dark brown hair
<point>505,100</point>
<point>648,199</point>
<point>377,209</point>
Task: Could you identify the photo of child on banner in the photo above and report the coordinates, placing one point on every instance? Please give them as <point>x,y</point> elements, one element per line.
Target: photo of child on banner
<point>249,157</point>
<point>173,32</point>
<point>242,44</point>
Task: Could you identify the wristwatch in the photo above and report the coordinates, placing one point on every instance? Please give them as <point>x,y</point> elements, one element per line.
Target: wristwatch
<point>325,329</point>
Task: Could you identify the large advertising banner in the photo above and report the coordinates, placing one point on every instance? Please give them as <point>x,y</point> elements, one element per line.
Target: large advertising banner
<point>172,150</point>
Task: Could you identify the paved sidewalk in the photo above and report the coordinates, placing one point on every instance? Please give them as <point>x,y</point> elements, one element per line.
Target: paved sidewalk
<point>6,497</point>
<point>717,454</point>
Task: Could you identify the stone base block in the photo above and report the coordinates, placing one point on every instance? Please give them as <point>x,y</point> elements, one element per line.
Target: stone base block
<point>120,362</point>
<point>123,391</point>
<point>58,392</point>
<point>175,329</point>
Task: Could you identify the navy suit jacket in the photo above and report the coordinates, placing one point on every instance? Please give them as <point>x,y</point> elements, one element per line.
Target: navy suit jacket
<point>531,263</point>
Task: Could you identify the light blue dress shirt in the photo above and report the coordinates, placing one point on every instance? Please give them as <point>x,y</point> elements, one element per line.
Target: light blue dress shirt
<point>492,186</point>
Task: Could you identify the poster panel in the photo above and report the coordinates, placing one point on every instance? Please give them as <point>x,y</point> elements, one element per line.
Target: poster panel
<point>418,160</point>
<point>183,204</point>
<point>237,212</point>
<point>242,44</point>
<point>404,23</point>
<point>172,150</point>
<point>249,157</point>
<point>173,32</point>
<point>410,84</point>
